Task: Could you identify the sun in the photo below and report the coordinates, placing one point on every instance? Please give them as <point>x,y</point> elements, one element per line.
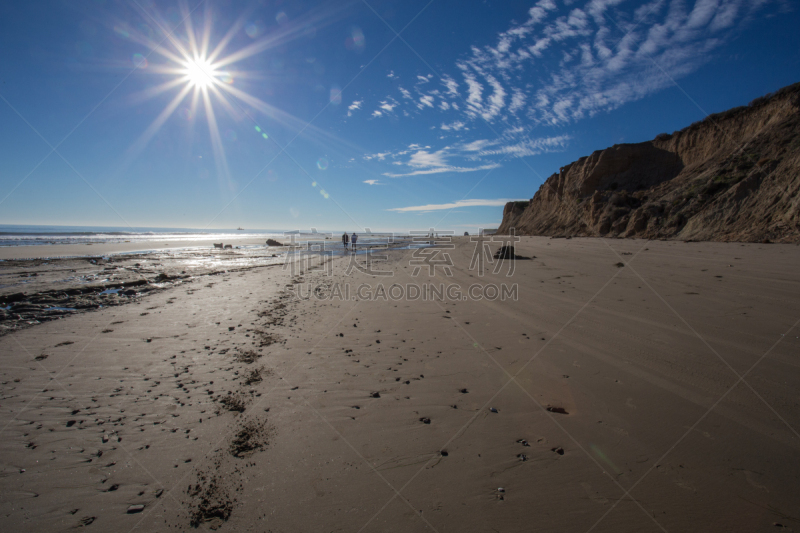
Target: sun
<point>200,73</point>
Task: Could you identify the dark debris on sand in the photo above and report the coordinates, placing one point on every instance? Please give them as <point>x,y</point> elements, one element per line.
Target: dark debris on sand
<point>211,500</point>
<point>234,401</point>
<point>253,436</point>
<point>256,375</point>
<point>247,356</point>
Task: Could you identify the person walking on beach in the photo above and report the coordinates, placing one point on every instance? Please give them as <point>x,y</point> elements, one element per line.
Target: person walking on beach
<point>354,240</point>
<point>345,240</point>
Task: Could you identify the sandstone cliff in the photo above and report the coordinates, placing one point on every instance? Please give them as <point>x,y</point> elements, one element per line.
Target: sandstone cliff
<point>733,176</point>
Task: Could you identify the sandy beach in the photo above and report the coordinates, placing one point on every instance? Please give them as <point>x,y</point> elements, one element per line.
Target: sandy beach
<point>617,385</point>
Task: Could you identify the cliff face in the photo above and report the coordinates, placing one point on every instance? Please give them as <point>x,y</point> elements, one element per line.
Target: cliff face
<point>734,176</point>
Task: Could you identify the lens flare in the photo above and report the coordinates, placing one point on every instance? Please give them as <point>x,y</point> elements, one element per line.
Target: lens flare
<point>122,31</point>
<point>355,41</point>
<point>253,30</point>
<point>336,95</point>
<point>322,163</point>
<point>139,61</point>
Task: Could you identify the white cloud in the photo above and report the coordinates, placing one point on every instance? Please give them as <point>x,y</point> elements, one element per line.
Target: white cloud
<point>380,156</point>
<point>352,107</point>
<point>423,162</point>
<point>557,67</point>
<point>475,90</point>
<point>454,205</point>
<point>515,144</point>
<point>373,182</point>
<point>589,56</point>
<point>451,84</point>
<point>517,101</point>
<point>440,170</point>
<point>477,146</point>
<point>496,100</point>
<point>425,101</point>
<point>454,126</point>
<point>423,158</point>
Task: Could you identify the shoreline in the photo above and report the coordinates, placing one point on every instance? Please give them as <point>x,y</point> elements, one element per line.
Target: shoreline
<point>71,251</point>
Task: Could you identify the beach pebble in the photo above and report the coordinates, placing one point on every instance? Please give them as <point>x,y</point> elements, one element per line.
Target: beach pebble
<point>138,508</point>
<point>376,394</point>
<point>500,489</point>
<point>493,410</point>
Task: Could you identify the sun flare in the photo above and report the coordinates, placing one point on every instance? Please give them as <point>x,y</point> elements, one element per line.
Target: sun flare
<point>200,73</point>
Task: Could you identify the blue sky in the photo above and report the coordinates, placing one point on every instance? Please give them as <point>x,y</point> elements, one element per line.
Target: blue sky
<point>389,115</point>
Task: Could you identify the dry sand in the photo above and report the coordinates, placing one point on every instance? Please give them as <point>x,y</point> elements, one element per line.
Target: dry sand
<point>672,381</point>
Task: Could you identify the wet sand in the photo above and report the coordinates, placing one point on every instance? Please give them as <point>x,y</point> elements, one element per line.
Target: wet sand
<point>100,249</point>
<point>630,386</point>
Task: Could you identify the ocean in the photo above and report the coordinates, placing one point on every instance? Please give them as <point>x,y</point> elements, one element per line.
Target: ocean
<point>20,235</point>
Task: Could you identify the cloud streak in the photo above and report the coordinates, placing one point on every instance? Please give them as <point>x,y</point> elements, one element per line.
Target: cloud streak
<point>441,170</point>
<point>471,156</point>
<point>454,205</point>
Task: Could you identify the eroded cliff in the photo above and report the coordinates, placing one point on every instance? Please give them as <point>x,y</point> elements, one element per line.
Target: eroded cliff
<point>733,176</point>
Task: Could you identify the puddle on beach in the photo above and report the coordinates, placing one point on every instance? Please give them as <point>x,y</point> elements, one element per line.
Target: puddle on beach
<point>109,291</point>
